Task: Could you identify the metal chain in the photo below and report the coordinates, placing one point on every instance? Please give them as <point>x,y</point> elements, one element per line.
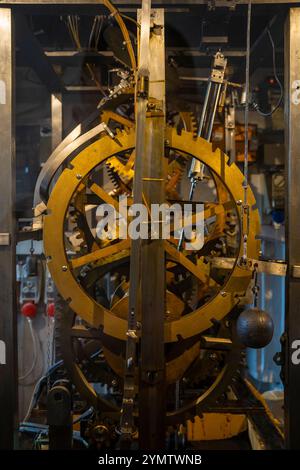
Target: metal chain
<point>244,205</point>
<point>255,288</point>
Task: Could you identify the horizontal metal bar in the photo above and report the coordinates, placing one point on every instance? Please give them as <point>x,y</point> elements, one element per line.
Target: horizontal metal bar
<point>185,51</point>
<point>169,3</point>
<point>275,268</point>
<point>188,52</point>
<point>82,88</point>
<point>77,53</point>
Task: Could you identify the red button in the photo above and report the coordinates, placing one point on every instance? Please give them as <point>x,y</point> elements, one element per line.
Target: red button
<point>51,309</point>
<point>29,310</point>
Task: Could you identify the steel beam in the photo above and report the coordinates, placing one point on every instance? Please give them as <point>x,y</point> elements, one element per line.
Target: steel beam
<point>292,136</point>
<point>156,3</point>
<point>8,331</point>
<point>152,375</point>
<point>147,264</point>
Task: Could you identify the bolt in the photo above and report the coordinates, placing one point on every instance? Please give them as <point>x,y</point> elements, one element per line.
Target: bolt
<point>130,362</point>
<point>64,268</point>
<point>223,293</point>
<point>78,176</point>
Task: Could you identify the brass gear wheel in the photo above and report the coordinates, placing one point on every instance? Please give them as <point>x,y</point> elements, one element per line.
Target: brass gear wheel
<point>63,268</point>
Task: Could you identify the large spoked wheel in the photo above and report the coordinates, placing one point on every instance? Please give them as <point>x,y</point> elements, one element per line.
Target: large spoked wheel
<point>200,292</point>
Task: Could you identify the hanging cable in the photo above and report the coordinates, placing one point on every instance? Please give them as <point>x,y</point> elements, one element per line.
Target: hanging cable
<point>245,206</point>
<point>32,400</point>
<point>126,17</point>
<point>37,391</point>
<point>35,352</point>
<point>255,105</point>
<point>72,23</point>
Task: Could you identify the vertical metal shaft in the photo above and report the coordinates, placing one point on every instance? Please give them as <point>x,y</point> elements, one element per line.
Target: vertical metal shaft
<point>151,176</point>
<point>292,136</point>
<point>8,308</point>
<point>135,289</point>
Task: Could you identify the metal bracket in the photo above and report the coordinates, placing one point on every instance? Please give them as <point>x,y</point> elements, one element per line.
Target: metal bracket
<point>218,69</point>
<point>143,86</point>
<point>275,268</point>
<point>213,4</point>
<point>296,271</point>
<point>279,357</point>
<point>4,239</point>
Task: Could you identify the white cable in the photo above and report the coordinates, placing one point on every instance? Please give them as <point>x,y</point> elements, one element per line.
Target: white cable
<point>34,343</point>
<point>32,398</point>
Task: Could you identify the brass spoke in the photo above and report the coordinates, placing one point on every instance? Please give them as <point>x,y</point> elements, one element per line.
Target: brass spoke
<point>101,253</point>
<point>96,189</point>
<point>184,261</point>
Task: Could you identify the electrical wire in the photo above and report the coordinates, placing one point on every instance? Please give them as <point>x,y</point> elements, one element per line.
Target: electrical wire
<point>255,105</point>
<point>36,390</point>
<point>35,355</point>
<point>98,31</point>
<point>72,23</point>
<point>85,414</point>
<point>92,32</point>
<point>33,396</point>
<point>129,18</point>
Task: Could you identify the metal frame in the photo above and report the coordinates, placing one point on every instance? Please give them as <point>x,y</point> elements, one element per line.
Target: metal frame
<point>292,323</point>
<point>8,336</point>
<point>8,309</point>
<point>169,3</point>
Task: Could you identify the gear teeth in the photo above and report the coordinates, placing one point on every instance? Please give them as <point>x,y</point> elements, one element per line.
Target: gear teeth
<point>116,166</point>
<point>111,174</point>
<point>192,419</point>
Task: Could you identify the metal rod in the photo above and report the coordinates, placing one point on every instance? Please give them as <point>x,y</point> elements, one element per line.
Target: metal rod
<point>8,319</point>
<point>291,338</point>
